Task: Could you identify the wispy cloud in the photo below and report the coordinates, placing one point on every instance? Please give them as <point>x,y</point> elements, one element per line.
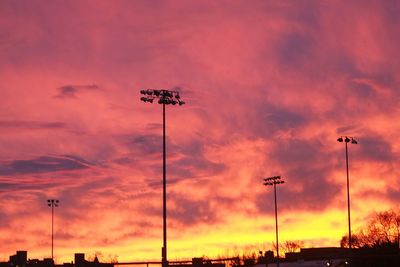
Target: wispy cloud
<point>32,124</point>
<point>42,164</point>
<point>71,91</point>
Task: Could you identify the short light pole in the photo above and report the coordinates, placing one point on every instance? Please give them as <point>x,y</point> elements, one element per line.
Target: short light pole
<point>163,97</point>
<point>52,203</point>
<point>348,139</point>
<point>273,181</point>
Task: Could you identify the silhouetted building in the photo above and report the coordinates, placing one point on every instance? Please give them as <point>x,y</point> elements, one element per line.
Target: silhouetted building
<point>361,257</point>
<point>81,262</point>
<point>199,262</point>
<point>20,259</point>
<point>309,254</point>
<point>267,257</point>
<point>46,262</point>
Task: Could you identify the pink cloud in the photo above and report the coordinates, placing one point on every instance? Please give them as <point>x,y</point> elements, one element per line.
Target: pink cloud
<point>268,86</point>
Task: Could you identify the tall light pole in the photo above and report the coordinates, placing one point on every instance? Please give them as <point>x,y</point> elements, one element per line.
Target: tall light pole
<point>52,203</point>
<point>273,181</point>
<point>346,140</point>
<point>165,97</point>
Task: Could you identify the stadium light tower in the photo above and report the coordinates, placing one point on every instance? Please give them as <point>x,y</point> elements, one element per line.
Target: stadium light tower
<point>348,139</point>
<point>273,181</point>
<point>163,97</point>
<point>52,203</point>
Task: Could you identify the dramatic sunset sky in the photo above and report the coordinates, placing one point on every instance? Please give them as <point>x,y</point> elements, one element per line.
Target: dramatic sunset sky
<point>269,87</point>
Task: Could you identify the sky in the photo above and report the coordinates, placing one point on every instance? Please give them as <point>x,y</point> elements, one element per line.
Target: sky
<point>269,86</point>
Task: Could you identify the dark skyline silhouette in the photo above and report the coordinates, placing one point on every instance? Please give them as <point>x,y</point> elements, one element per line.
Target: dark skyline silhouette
<point>326,256</point>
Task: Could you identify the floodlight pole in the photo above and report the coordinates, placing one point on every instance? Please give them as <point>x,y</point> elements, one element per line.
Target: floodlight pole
<point>52,203</point>
<point>348,194</point>
<point>274,181</point>
<point>164,250</point>
<point>165,97</point>
<point>346,140</point>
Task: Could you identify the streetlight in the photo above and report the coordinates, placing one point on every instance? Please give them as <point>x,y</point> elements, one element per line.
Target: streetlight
<point>273,181</point>
<point>346,140</point>
<point>52,203</point>
<point>165,97</point>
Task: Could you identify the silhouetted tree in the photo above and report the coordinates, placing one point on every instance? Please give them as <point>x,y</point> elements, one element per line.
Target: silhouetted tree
<point>288,246</point>
<point>382,230</point>
<point>102,258</point>
<point>292,246</point>
<point>113,258</point>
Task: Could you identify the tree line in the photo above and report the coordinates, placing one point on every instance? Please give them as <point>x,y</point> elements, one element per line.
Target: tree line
<point>381,231</point>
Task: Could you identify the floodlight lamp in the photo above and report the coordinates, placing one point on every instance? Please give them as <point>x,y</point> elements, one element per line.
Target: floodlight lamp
<point>150,100</point>
<point>57,201</point>
<point>347,139</point>
<point>340,139</point>
<point>282,182</point>
<point>156,92</point>
<point>49,205</point>
<point>149,91</point>
<point>143,92</point>
<point>144,99</point>
<point>353,141</point>
<point>177,96</point>
<point>181,103</point>
<point>49,200</point>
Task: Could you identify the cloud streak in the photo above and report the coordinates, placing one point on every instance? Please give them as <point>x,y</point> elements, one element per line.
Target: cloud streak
<point>71,91</point>
<point>42,164</point>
